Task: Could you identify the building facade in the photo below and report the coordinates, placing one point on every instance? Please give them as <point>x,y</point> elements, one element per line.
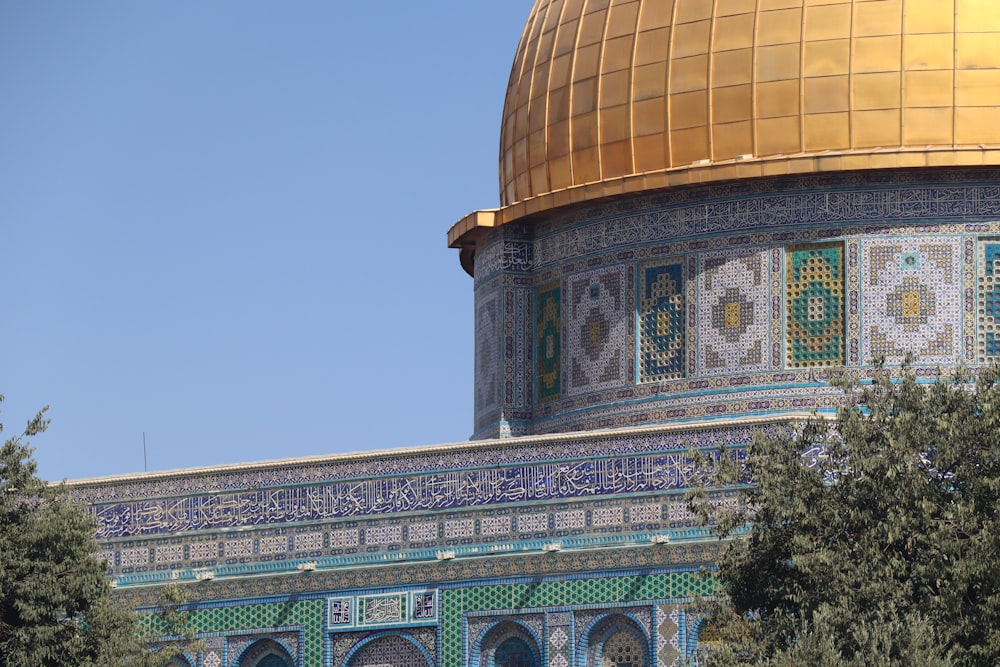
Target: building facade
<point>707,207</point>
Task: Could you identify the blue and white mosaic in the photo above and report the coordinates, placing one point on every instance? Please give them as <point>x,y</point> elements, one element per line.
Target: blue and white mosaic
<point>733,311</point>
<point>911,290</point>
<point>596,320</point>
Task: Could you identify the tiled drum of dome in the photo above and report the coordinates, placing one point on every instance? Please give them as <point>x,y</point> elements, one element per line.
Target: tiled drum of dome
<point>989,300</point>
<point>597,308</point>
<point>487,356</point>
<point>661,321</point>
<point>814,303</point>
<point>733,307</point>
<point>912,299</point>
<point>548,342</point>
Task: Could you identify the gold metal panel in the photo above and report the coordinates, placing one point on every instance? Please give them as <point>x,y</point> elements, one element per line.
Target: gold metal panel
<point>767,5</point>
<point>615,124</point>
<point>559,105</point>
<point>826,58</point>
<point>690,39</point>
<point>690,145</point>
<point>978,50</point>
<point>617,54</point>
<point>930,51</point>
<point>584,96</point>
<point>928,126</point>
<point>977,88</point>
<point>689,11</point>
<point>928,89</point>
<point>562,67</point>
<point>827,22</point>
<point>733,32</point>
<point>586,166</point>
<point>778,62</point>
<point>782,26</point>
<point>537,142</point>
<point>920,16</point>
<point>559,138</point>
<point>977,125</point>
<point>616,159</point>
<point>689,74</point>
<point>622,20</point>
<point>778,98</point>
<point>615,88</point>
<point>883,17</point>
<point>877,91</point>
<point>583,132</point>
<point>585,65</point>
<point>591,28</point>
<point>732,103</point>
<point>539,178</point>
<point>827,131</point>
<point>566,38</point>
<point>876,54</point>
<point>732,67</point>
<point>650,81</point>
<point>731,140</point>
<point>650,116</point>
<point>827,94</point>
<point>730,7</point>
<point>688,109</point>
<point>655,14</point>
<point>778,136</point>
<point>650,153</point>
<point>560,172</point>
<point>978,16</point>
<point>651,46</point>
<point>876,128</point>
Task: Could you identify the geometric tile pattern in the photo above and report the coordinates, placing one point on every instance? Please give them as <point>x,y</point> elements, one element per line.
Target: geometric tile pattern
<point>911,290</point>
<point>596,322</point>
<point>733,311</point>
<point>662,320</point>
<point>814,287</point>
<point>487,358</point>
<point>545,593</point>
<point>667,635</point>
<point>560,645</point>
<point>989,300</point>
<point>391,650</point>
<point>548,343</point>
<point>622,649</point>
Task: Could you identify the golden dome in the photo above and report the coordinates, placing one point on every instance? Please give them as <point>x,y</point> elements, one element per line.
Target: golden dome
<point>614,96</point>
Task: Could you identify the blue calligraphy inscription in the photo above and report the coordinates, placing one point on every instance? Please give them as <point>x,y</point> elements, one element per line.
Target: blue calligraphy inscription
<point>469,488</point>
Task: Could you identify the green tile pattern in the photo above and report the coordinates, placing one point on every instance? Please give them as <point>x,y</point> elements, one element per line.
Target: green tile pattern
<point>610,590</point>
<point>307,614</point>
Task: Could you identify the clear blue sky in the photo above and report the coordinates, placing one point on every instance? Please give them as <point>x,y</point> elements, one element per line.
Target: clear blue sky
<point>223,224</point>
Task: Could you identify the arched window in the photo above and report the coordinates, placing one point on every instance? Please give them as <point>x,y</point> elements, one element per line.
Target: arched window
<point>266,653</point>
<point>389,651</point>
<point>513,652</point>
<point>622,649</point>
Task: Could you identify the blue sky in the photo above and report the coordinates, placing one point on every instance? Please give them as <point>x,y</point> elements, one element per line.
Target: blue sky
<point>222,224</point>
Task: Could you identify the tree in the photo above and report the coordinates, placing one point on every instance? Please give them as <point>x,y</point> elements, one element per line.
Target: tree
<point>56,606</point>
<point>873,539</point>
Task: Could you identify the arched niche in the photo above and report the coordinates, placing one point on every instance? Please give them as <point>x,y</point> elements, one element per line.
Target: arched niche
<point>388,649</point>
<point>506,644</point>
<point>265,653</point>
<point>615,640</point>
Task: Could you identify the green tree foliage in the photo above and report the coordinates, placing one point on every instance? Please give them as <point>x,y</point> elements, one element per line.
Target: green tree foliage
<point>56,606</point>
<point>874,538</point>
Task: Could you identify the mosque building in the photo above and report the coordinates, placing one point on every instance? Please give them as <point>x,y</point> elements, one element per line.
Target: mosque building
<point>706,206</point>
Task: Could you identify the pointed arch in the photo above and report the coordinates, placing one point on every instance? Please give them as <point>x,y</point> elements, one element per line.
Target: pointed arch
<point>506,643</point>
<point>265,653</point>
<point>395,648</point>
<point>615,639</point>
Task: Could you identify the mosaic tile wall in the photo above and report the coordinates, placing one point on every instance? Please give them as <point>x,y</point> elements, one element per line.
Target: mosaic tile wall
<point>911,290</point>
<point>487,384</point>
<point>989,301</point>
<point>548,345</point>
<point>596,320</point>
<point>663,318</point>
<point>733,311</point>
<point>814,295</point>
<point>686,364</point>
